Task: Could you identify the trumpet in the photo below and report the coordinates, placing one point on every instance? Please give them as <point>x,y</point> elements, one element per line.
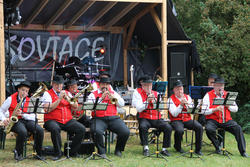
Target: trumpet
<point>75,98</point>
<point>42,88</point>
<point>112,99</point>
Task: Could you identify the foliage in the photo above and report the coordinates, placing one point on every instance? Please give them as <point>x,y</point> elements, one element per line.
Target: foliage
<point>243,116</point>
<point>221,31</point>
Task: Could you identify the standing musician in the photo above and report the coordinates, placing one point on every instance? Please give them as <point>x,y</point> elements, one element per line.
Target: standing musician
<point>108,119</point>
<point>26,121</point>
<point>178,104</point>
<point>143,99</point>
<point>219,116</point>
<point>58,117</point>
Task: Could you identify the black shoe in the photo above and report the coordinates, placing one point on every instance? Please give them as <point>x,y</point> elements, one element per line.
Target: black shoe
<point>245,155</point>
<point>118,153</point>
<point>199,153</point>
<point>57,157</point>
<point>146,152</point>
<point>218,151</point>
<point>17,156</point>
<point>165,153</point>
<point>180,150</point>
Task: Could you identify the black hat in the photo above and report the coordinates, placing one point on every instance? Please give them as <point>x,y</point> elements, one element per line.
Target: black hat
<point>71,82</point>
<point>24,83</point>
<point>147,79</point>
<point>213,75</point>
<point>101,73</point>
<point>58,79</point>
<point>105,80</point>
<point>219,80</point>
<point>178,83</point>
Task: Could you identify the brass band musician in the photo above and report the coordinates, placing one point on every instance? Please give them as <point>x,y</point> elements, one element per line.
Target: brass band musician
<point>58,117</point>
<point>25,122</point>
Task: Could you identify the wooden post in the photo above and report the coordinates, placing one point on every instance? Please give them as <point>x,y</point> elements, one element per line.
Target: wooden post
<point>164,43</point>
<point>2,55</point>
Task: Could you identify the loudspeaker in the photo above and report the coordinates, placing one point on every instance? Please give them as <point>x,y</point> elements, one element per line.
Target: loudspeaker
<point>87,147</point>
<point>178,63</point>
<point>172,81</point>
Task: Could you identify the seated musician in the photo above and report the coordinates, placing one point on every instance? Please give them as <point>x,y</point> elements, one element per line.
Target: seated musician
<point>108,119</point>
<point>178,104</point>
<point>26,121</point>
<point>58,117</point>
<point>219,116</point>
<point>143,99</point>
<point>72,88</point>
<point>96,84</point>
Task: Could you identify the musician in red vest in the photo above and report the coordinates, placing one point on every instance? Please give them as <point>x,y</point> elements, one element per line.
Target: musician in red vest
<point>108,119</point>
<point>58,117</point>
<point>219,116</point>
<point>143,99</point>
<point>96,84</point>
<point>180,119</point>
<point>26,121</point>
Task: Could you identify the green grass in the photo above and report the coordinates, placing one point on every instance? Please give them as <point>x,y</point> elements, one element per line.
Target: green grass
<point>132,157</point>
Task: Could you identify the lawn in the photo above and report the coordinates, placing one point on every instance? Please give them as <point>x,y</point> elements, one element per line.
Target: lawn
<point>132,157</point>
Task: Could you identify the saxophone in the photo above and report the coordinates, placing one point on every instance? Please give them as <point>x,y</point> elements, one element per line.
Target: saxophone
<point>13,118</point>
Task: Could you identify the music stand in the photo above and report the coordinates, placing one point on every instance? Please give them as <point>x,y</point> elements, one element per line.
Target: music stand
<point>95,106</point>
<point>157,106</point>
<point>193,110</point>
<point>33,107</point>
<point>229,100</point>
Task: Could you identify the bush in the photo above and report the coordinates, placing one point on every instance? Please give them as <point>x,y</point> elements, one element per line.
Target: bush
<point>243,117</point>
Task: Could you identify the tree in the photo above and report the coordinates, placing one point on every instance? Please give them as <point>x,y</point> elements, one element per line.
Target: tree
<point>221,31</point>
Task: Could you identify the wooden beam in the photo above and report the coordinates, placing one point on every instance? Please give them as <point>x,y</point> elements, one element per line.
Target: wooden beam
<point>58,13</point>
<point>179,41</point>
<point>121,14</point>
<point>19,3</point>
<point>130,34</point>
<point>79,13</point>
<point>164,69</point>
<point>156,20</point>
<point>101,13</point>
<point>142,13</point>
<point>35,12</point>
<point>125,59</point>
<point>2,55</point>
<point>71,28</point>
<point>140,1</point>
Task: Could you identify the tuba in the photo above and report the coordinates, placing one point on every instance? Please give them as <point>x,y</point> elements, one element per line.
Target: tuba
<point>13,118</point>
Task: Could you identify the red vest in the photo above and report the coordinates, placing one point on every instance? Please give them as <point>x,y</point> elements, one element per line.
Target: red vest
<point>217,115</point>
<point>182,116</point>
<point>111,108</point>
<point>62,113</point>
<point>14,103</point>
<point>148,114</point>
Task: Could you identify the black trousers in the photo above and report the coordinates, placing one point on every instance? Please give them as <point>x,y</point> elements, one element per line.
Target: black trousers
<point>72,127</point>
<point>113,123</point>
<point>21,128</point>
<point>145,124</point>
<point>179,126</point>
<point>230,126</point>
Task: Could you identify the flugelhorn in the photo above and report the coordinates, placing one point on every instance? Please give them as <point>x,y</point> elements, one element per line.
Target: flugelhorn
<point>41,89</point>
<point>75,98</point>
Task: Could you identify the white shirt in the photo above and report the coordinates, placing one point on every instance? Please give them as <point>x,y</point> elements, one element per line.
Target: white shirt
<point>175,111</point>
<point>138,103</point>
<point>206,106</point>
<point>120,101</point>
<point>4,111</point>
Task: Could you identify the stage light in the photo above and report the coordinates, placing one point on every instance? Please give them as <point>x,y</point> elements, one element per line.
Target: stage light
<point>11,13</point>
<point>102,51</point>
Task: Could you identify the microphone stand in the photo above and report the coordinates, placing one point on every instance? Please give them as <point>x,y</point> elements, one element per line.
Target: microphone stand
<point>157,152</point>
<point>34,154</point>
<point>95,154</point>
